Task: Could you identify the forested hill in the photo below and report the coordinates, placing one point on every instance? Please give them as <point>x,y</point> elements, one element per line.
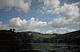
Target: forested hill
<point>10,35</point>
<point>11,40</point>
<point>72,37</point>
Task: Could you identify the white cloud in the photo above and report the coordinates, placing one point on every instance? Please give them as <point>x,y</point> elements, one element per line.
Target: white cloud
<point>0,23</point>
<point>23,25</point>
<point>49,31</point>
<point>26,27</point>
<point>36,30</point>
<point>69,14</point>
<point>63,30</point>
<point>30,24</point>
<point>3,26</point>
<point>22,5</point>
<point>68,10</point>
<point>49,5</point>
<point>60,22</point>
<point>16,22</point>
<point>60,30</point>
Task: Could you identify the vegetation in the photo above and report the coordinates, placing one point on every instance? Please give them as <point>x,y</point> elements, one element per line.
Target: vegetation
<point>37,35</point>
<point>11,40</point>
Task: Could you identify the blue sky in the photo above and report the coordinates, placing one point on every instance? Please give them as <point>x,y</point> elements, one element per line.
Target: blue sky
<point>46,16</point>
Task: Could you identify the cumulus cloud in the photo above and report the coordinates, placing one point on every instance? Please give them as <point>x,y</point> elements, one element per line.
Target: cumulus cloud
<point>63,30</point>
<point>60,30</point>
<point>3,26</point>
<point>36,30</point>
<point>69,14</point>
<point>68,10</point>
<point>22,5</point>
<point>49,31</point>
<point>22,24</point>
<point>60,22</point>
<point>0,24</point>
<point>49,5</point>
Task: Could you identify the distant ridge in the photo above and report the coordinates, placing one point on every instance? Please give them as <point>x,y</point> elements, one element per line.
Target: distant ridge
<point>10,40</point>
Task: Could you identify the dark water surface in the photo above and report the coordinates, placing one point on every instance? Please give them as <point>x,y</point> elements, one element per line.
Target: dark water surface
<point>52,47</point>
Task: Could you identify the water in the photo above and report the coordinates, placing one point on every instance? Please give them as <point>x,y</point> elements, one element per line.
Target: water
<point>54,47</point>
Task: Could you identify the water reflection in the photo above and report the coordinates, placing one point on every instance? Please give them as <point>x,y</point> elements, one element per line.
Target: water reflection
<point>54,47</point>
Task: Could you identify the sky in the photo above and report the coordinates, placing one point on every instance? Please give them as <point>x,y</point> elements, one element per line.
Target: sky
<point>45,16</point>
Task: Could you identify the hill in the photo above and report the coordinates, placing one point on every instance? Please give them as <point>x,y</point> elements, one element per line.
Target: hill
<point>41,35</point>
<point>72,37</point>
<point>11,41</point>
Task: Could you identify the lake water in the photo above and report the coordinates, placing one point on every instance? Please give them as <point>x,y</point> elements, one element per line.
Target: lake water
<point>52,47</point>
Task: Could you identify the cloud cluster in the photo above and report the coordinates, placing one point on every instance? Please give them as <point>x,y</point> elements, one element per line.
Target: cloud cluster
<point>22,24</point>
<point>60,30</point>
<point>49,32</point>
<point>22,5</point>
<point>28,25</point>
<point>37,30</point>
<point>69,15</point>
<point>3,26</point>
<point>49,5</point>
<point>31,25</point>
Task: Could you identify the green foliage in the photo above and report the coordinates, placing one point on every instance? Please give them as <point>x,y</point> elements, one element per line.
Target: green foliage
<point>37,35</point>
